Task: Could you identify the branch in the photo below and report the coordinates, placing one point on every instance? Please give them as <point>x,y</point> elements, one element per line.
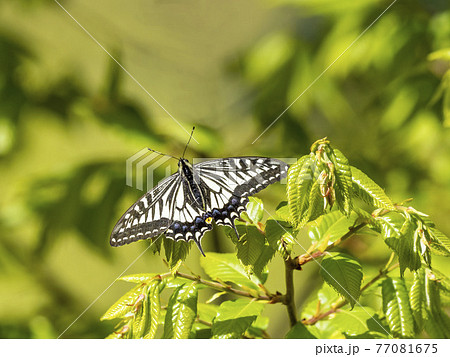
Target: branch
<point>307,257</point>
<point>335,308</point>
<point>227,288</point>
<point>289,300</point>
<point>206,323</point>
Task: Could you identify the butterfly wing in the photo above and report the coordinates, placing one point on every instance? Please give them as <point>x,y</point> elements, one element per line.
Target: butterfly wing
<point>149,216</point>
<point>166,209</point>
<point>169,208</point>
<point>230,181</point>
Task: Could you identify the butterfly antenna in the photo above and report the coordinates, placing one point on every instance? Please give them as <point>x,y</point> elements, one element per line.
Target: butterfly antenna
<point>160,153</point>
<point>192,132</point>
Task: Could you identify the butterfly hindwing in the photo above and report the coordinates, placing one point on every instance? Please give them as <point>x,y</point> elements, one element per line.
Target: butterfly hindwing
<point>183,206</point>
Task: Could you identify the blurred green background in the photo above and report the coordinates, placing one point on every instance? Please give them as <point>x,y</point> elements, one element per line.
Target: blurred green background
<point>70,117</point>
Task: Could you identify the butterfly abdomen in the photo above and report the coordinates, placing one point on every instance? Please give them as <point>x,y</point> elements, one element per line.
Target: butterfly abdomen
<point>191,181</point>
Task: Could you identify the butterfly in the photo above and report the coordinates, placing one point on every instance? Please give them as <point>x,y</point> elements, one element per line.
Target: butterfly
<point>184,205</point>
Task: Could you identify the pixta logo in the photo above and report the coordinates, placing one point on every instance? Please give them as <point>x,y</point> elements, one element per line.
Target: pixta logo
<point>229,171</point>
<point>145,163</point>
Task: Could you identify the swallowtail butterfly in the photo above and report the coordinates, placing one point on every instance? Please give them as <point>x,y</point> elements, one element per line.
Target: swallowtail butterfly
<point>184,205</point>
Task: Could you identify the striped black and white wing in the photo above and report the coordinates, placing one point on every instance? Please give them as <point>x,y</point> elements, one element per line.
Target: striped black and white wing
<point>149,216</point>
<point>170,209</point>
<point>231,181</point>
<point>155,213</point>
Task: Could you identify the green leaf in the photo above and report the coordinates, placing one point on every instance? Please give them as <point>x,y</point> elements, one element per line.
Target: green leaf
<point>440,243</point>
<point>300,181</point>
<point>124,305</point>
<point>437,323</point>
<point>405,244</point>
<point>143,320</point>
<point>396,308</point>
<point>330,227</point>
<point>155,245</point>
<point>444,282</point>
<point>391,224</point>
<point>300,331</point>
<point>282,212</point>
<point>343,273</point>
<point>207,312</point>
<point>359,321</point>
<point>343,184</point>
<point>140,316</point>
<point>202,326</point>
<point>200,331</point>
<point>250,245</point>
<point>155,310</point>
<point>235,317</point>
<point>258,328</point>
<point>408,254</point>
<point>168,320</point>
<point>368,191</point>
<point>252,250</point>
<point>260,267</point>
<point>172,282</point>
<point>181,311</point>
<point>176,252</point>
<point>417,298</point>
<point>421,245</point>
<point>316,203</point>
<point>275,230</point>
<point>140,278</point>
<point>255,210</point>
<point>401,236</point>
<point>280,236</point>
<point>226,267</point>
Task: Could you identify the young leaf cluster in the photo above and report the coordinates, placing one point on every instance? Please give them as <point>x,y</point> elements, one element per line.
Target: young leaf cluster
<point>167,306</point>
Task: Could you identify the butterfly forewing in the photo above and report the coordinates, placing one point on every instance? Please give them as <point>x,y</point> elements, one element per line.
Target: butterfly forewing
<point>171,207</point>
<point>149,216</point>
<point>244,176</point>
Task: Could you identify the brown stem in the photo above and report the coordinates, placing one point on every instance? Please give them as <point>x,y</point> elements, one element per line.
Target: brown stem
<point>223,287</point>
<point>307,257</point>
<point>335,308</point>
<point>289,300</point>
<point>314,319</point>
<point>381,274</point>
<point>206,323</point>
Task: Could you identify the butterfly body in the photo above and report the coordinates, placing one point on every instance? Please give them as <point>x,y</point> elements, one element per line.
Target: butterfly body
<point>192,184</point>
<point>184,204</point>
